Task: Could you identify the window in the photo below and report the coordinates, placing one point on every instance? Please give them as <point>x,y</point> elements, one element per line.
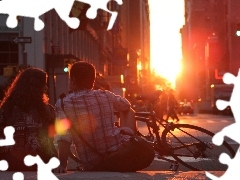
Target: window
<point>8,51</point>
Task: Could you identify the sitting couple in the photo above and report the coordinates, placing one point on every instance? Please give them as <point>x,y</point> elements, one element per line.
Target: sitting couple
<point>100,145</point>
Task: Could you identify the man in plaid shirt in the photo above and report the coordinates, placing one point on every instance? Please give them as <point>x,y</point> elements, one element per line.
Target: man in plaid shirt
<point>91,112</point>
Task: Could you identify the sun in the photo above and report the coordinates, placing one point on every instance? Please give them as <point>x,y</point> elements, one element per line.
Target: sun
<point>166,19</point>
<point>169,69</point>
<point>166,55</point>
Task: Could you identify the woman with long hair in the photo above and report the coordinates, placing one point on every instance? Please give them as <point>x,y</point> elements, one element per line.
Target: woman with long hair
<point>25,107</point>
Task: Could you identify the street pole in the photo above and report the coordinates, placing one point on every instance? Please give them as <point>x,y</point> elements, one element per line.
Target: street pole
<point>53,72</point>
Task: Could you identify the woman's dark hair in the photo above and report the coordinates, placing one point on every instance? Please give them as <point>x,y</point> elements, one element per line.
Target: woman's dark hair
<point>27,92</point>
<point>84,75</point>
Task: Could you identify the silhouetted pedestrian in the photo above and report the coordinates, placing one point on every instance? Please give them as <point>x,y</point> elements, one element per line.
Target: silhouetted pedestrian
<point>171,106</point>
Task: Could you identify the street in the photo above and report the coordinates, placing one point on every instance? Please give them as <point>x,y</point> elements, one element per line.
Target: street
<point>211,122</point>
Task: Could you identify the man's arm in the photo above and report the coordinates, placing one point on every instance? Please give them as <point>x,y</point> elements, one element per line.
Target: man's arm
<point>127,119</point>
<point>64,140</point>
<point>63,153</point>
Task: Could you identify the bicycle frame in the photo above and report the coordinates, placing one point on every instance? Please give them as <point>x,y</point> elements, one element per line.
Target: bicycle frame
<point>153,122</point>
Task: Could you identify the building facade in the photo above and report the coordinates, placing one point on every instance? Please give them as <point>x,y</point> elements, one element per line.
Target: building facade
<point>210,46</point>
<point>205,50</point>
<point>136,38</point>
<point>57,45</point>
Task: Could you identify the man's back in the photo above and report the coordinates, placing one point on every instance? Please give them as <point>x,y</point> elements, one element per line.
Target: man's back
<point>91,112</point>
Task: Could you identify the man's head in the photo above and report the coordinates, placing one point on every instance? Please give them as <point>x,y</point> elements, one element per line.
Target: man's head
<point>82,76</point>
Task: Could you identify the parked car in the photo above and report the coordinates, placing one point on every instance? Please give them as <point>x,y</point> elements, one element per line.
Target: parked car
<point>185,108</point>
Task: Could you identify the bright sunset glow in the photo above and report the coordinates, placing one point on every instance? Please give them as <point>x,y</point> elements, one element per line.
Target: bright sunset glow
<point>166,19</point>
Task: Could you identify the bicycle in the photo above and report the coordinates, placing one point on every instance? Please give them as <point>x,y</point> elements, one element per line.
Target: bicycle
<point>184,144</point>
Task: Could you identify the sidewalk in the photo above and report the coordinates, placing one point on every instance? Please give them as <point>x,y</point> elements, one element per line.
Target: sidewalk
<point>140,175</point>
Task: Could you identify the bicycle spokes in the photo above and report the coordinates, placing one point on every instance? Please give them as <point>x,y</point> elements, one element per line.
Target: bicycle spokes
<point>192,146</point>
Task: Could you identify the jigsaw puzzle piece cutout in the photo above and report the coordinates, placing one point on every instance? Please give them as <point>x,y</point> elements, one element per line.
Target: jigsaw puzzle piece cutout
<point>235,97</point>
<point>233,167</point>
<point>229,78</point>
<point>222,104</point>
<point>63,8</point>
<point>26,8</point>
<point>224,159</point>
<point>44,171</point>
<point>8,132</point>
<point>34,9</point>
<point>12,21</point>
<point>3,165</point>
<point>18,176</point>
<point>101,4</point>
<point>231,131</point>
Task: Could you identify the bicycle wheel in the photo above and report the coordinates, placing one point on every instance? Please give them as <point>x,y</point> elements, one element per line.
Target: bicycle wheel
<point>192,147</point>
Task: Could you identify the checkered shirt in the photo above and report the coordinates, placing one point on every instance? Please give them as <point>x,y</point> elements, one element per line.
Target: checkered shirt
<point>92,114</point>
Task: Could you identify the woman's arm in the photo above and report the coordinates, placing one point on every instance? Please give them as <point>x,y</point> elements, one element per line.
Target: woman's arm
<point>63,153</point>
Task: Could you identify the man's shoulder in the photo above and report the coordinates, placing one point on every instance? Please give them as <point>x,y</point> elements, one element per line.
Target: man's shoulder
<point>63,98</point>
<point>101,91</point>
<point>60,99</point>
<point>107,93</point>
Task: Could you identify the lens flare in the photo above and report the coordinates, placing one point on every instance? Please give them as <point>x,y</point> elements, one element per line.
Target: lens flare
<point>61,126</point>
